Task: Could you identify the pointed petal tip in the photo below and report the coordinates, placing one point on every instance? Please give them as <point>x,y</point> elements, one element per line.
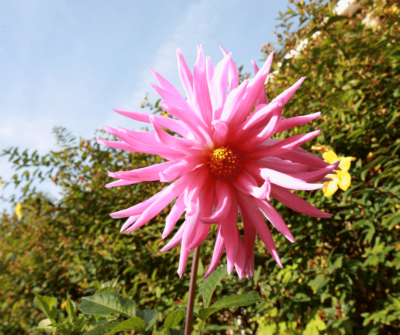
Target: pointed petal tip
<point>223,50</point>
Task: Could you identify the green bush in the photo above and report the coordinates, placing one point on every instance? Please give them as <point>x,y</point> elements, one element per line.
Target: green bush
<point>341,275</point>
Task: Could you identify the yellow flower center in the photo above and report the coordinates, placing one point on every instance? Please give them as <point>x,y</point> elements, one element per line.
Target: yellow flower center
<point>224,163</point>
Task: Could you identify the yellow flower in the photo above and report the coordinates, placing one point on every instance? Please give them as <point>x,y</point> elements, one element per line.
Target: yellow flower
<point>321,148</point>
<point>342,179</point>
<point>18,211</point>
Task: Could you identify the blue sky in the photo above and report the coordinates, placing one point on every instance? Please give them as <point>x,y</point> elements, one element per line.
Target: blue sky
<point>69,63</point>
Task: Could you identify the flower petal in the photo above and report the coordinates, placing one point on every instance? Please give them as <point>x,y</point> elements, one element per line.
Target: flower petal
<point>202,100</point>
<point>253,91</point>
<point>315,175</point>
<point>148,173</point>
<point>330,157</point>
<point>344,180</point>
<point>176,239</point>
<point>281,179</point>
<point>233,72</point>
<point>273,216</point>
<point>172,218</point>
<point>285,146</point>
<point>230,233</point>
<point>185,113</point>
<point>296,121</point>
<point>261,227</point>
<point>203,229</point>
<point>165,122</point>
<point>345,163</point>
<point>224,202</point>
<point>286,95</point>
<point>296,203</point>
<point>180,168</point>
<point>219,248</point>
<point>330,188</point>
<point>218,86</point>
<point>186,77</point>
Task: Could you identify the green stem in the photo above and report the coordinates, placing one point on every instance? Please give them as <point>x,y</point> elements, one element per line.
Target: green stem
<point>203,326</point>
<point>192,292</point>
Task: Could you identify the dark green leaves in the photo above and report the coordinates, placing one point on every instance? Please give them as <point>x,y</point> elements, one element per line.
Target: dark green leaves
<point>208,286</point>
<point>149,316</point>
<point>228,302</point>
<point>236,301</point>
<point>46,305</point>
<point>108,286</point>
<point>103,329</point>
<point>131,324</point>
<point>107,303</point>
<point>174,318</point>
<point>71,310</point>
<point>99,306</point>
<point>336,18</point>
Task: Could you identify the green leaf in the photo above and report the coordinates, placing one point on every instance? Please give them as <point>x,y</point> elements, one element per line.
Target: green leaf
<point>231,301</point>
<point>107,303</point>
<point>104,329</point>
<point>44,324</point>
<point>336,265</point>
<point>204,313</point>
<point>176,332</point>
<point>80,323</point>
<point>108,286</point>
<point>313,31</point>
<point>135,323</point>
<point>209,284</point>
<point>149,316</point>
<point>101,319</point>
<point>318,283</point>
<point>336,18</point>
<point>71,309</point>
<point>237,300</point>
<point>174,318</point>
<point>301,297</point>
<point>46,305</point>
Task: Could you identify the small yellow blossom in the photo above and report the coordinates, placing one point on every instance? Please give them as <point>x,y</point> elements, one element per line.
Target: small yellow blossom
<point>1,184</point>
<point>342,179</point>
<point>18,211</point>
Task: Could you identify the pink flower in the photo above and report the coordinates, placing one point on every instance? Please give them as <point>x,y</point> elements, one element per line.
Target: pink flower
<point>225,161</point>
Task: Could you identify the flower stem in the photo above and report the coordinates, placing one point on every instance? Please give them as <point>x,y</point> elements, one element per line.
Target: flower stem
<point>192,291</point>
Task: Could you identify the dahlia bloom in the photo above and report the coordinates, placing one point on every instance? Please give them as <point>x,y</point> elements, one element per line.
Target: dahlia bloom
<point>223,161</point>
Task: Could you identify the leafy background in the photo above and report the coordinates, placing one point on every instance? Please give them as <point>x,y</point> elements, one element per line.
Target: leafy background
<point>341,275</point>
